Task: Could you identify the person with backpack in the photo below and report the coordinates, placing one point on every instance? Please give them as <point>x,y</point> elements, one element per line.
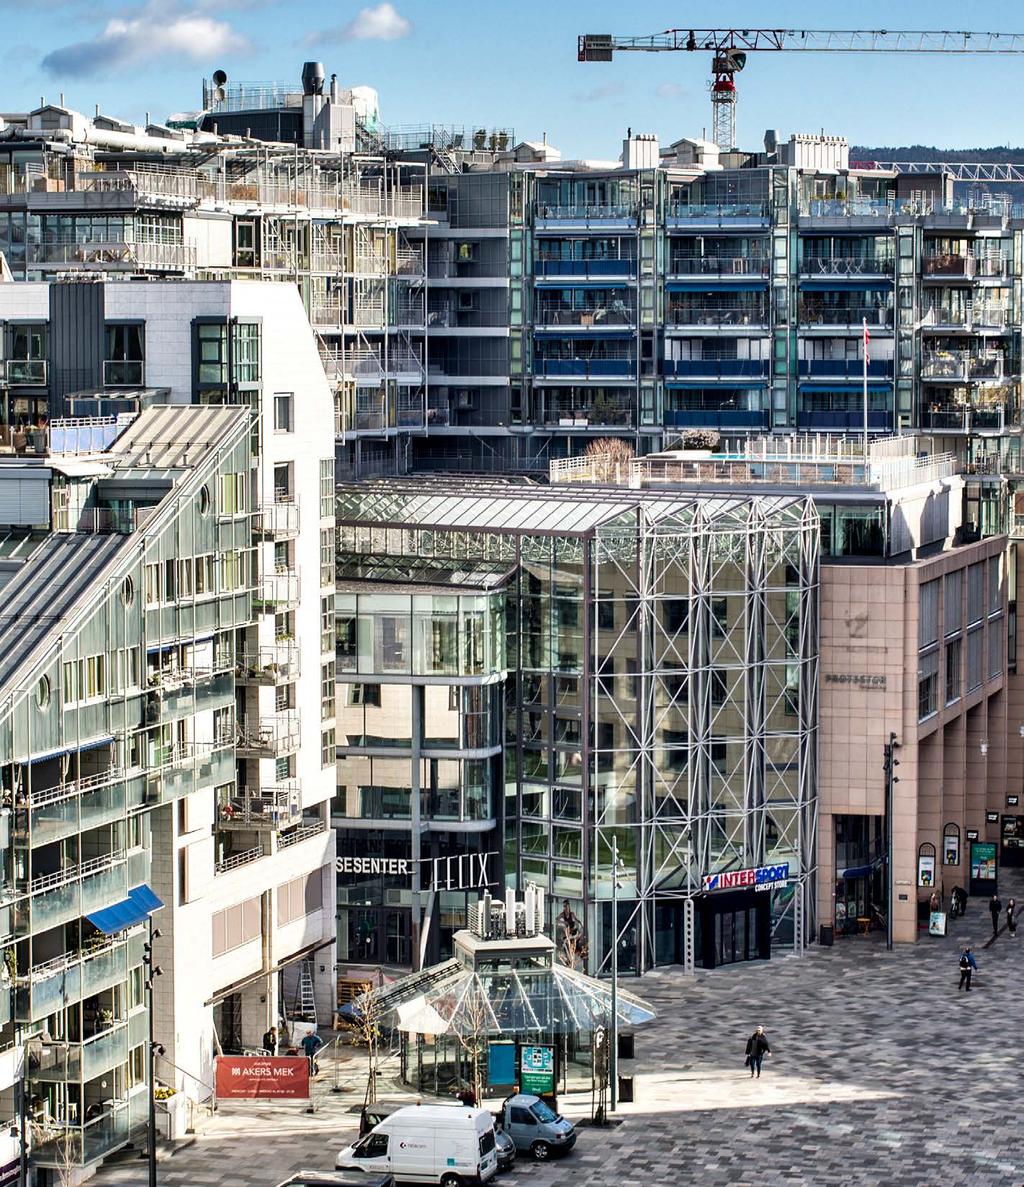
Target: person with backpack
<point>757,1048</point>
<point>968,966</point>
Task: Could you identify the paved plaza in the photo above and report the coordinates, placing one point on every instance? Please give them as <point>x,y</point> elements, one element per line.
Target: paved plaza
<point>881,1073</point>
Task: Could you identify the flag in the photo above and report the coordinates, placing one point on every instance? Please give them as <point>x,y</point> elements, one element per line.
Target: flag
<point>867,340</point>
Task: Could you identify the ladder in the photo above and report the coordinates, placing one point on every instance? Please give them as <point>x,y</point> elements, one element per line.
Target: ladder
<point>305,1000</point>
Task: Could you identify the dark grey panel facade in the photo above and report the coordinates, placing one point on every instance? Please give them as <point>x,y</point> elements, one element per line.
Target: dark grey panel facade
<point>76,341</point>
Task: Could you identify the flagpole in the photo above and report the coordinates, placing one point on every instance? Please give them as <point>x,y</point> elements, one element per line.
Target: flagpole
<point>865,353</point>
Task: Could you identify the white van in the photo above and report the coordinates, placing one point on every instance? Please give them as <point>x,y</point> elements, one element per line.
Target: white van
<point>428,1144</point>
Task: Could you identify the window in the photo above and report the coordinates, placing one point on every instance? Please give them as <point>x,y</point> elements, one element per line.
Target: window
<point>374,1145</point>
<point>236,926</point>
<point>85,679</point>
<point>231,571</point>
<point>284,768</point>
<point>364,694</point>
<point>719,757</point>
<point>204,575</point>
<point>328,749</point>
<point>928,614</point>
<point>719,617</point>
<point>975,642</point>
<point>927,684</point>
<point>606,615</point>
<point>233,499</point>
<point>327,687</point>
<point>954,660</point>
<point>719,687</point>
<point>975,595</point>
<point>224,726</point>
<point>26,357</point>
<point>284,697</point>
<point>326,625</point>
<point>345,630</point>
<point>185,574</point>
<point>995,589</point>
<point>127,591</point>
<point>245,357</point>
<point>675,613</point>
<point>212,351</point>
<point>123,360</point>
<point>953,595</point>
<point>995,648</point>
<point>326,556</point>
<point>283,413</point>
<point>42,692</point>
<point>154,584</point>
<point>327,488</point>
<point>300,897</point>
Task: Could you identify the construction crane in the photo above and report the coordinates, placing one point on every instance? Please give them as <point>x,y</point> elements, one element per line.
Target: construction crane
<point>729,49</point>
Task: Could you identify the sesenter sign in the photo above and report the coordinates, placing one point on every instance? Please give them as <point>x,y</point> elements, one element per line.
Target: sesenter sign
<point>756,878</point>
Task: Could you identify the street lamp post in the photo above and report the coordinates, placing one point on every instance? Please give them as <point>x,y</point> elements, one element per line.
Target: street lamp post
<point>891,779</point>
<point>152,972</point>
<point>613,1054</point>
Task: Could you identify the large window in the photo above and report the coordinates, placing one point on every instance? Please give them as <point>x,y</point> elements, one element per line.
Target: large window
<point>212,364</point>
<point>236,926</point>
<point>26,354</point>
<point>300,897</point>
<point>124,356</point>
<point>928,621</point>
<point>927,684</point>
<point>954,663</point>
<point>954,596</point>
<point>284,413</point>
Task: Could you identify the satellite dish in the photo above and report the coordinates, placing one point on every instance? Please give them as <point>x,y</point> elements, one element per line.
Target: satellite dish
<point>219,78</point>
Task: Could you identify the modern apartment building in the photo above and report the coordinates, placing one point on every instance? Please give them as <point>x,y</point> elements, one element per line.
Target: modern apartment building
<point>167,696</point>
<point>533,673</point>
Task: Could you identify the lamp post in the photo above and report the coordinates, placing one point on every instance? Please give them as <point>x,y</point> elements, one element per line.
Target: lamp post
<point>891,779</point>
<point>613,1054</point>
<point>152,972</point>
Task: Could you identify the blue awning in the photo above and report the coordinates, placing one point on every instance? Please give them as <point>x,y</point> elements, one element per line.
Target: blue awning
<point>569,282</point>
<point>860,871</point>
<point>841,284</point>
<point>716,284</point>
<point>89,744</point>
<point>597,331</point>
<point>136,908</point>
<point>846,389</point>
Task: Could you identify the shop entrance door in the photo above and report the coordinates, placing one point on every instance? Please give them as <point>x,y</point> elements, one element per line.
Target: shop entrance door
<point>735,936</point>
<point>734,927</point>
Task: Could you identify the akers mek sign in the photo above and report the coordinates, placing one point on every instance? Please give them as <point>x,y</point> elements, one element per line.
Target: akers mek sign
<point>758,878</point>
<point>262,1077</point>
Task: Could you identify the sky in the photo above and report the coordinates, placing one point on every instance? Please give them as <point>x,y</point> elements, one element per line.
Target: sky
<point>484,63</point>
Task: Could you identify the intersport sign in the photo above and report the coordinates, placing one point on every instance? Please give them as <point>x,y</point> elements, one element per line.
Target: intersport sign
<point>757,878</point>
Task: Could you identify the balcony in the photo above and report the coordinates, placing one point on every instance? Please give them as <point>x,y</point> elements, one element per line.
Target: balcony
<point>276,521</point>
<point>947,265</point>
<point>123,372</point>
<point>970,315</point>
<point>585,368</point>
<point>235,861</point>
<point>278,590</point>
<point>717,214</point>
<point>556,269</point>
<point>814,313</point>
<point>325,311</point>
<point>581,414</point>
<point>594,317</point>
<point>962,366</point>
<point>114,254</point>
<point>409,262</point>
<point>847,369</point>
<point>26,372</point>
<point>585,213</point>
<point>718,314</point>
<point>267,737</point>
<point>843,420</point>
<point>303,833</point>
<point>724,369</point>
<point>276,664</point>
<point>963,418</point>
<point>696,265</point>
<point>273,807</point>
<point>846,267</point>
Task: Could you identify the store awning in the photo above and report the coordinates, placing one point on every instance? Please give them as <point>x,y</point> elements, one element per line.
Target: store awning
<point>717,385</point>
<point>860,871</point>
<point>716,284</point>
<point>841,284</point>
<point>137,907</point>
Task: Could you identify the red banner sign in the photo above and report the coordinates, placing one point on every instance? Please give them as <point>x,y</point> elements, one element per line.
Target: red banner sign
<point>262,1077</point>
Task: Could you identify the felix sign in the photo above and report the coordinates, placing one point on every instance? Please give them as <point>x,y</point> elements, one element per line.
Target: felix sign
<point>757,878</point>
<point>464,871</point>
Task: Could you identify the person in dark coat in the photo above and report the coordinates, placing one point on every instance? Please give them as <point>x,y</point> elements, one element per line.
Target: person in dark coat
<point>270,1041</point>
<point>968,965</point>
<point>995,910</point>
<point>1011,918</point>
<point>757,1048</point>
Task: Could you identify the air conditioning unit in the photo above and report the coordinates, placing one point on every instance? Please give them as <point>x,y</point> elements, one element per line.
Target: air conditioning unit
<point>392,898</point>
<point>463,397</point>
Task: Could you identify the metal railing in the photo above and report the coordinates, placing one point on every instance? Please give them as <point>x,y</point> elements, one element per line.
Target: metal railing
<point>236,860</point>
<point>38,797</point>
<point>594,317</point>
<point>275,806</point>
<point>302,833</point>
<point>977,313</point>
<point>276,521</point>
<point>696,265</point>
<point>813,314</point>
<point>717,210</point>
<point>115,253</point>
<point>846,265</point>
<point>610,210</point>
<point>278,589</point>
<point>962,365</point>
<point>699,313</point>
<point>72,873</point>
<point>273,735</point>
<point>273,664</point>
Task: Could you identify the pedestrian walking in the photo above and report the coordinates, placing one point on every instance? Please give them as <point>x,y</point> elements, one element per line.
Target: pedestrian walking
<point>968,965</point>
<point>311,1044</point>
<point>1011,918</point>
<point>995,908</point>
<point>270,1041</point>
<point>757,1048</point>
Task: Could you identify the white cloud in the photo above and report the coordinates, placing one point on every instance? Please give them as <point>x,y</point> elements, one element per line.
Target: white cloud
<point>607,90</point>
<point>382,22</point>
<point>147,37</point>
<point>670,90</point>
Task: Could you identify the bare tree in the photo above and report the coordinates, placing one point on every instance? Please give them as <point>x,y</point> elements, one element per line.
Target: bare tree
<point>367,1034</point>
<point>472,1029</point>
<point>60,1143</point>
<point>610,458</point>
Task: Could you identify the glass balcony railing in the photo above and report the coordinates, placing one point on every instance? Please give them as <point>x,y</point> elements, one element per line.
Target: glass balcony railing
<point>27,372</point>
<point>276,521</point>
<point>816,314</point>
<point>716,313</point>
<point>274,807</point>
<point>718,211</point>
<point>962,366</point>
<point>274,664</point>
<point>268,737</point>
<point>600,210</point>
<point>585,268</point>
<point>616,313</point>
<point>697,265</point>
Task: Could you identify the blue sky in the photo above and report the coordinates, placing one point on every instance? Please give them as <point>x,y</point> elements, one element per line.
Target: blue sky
<point>514,64</point>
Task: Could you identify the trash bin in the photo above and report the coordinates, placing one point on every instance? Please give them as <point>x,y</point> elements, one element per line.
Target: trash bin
<point>625,1090</point>
<point>627,1046</point>
<point>826,935</point>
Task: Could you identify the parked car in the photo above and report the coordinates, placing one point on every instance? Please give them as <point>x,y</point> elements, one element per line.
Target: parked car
<point>428,1144</point>
<point>505,1148</point>
<point>338,1179</point>
<point>536,1128</point>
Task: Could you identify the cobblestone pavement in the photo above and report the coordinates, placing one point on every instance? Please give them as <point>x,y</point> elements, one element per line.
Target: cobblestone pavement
<point>881,1073</point>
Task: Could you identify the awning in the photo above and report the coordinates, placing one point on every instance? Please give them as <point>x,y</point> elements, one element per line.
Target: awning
<point>569,282</point>
<point>854,386</point>
<point>89,744</point>
<point>716,284</point>
<point>860,871</point>
<point>601,330</point>
<point>137,907</point>
<point>841,284</point>
<point>716,385</point>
